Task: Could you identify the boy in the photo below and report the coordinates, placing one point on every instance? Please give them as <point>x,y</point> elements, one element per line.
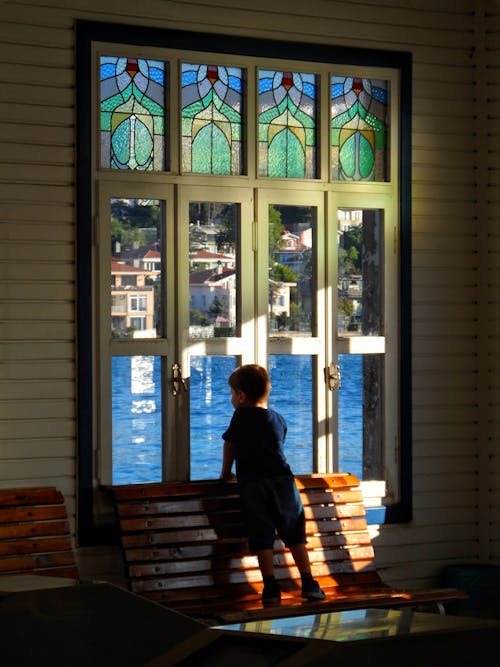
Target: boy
<point>270,498</point>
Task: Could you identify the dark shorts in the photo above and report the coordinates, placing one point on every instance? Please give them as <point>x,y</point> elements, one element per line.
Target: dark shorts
<point>272,506</point>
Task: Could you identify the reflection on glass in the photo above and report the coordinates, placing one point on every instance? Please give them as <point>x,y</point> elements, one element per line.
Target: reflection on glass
<point>354,625</point>
<point>210,413</point>
<point>136,269</point>
<point>350,410</point>
<point>291,395</point>
<point>291,269</point>
<point>360,278</point>
<point>136,419</point>
<point>213,228</point>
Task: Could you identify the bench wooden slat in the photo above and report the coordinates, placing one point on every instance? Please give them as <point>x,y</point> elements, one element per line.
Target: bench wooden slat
<point>351,559</point>
<point>41,495</point>
<point>183,552</point>
<point>36,561</point>
<point>35,534</point>
<point>179,506</point>
<point>184,546</point>
<point>32,529</point>
<point>25,514</point>
<point>140,524</point>
<point>41,545</point>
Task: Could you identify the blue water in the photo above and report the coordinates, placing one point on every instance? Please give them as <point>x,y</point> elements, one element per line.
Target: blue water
<point>136,413</point>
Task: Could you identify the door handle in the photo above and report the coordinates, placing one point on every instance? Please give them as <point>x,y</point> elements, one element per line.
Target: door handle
<point>333,378</point>
<point>177,380</point>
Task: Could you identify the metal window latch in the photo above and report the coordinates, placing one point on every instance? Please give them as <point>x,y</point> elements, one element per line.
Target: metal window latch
<point>332,377</point>
<point>177,380</point>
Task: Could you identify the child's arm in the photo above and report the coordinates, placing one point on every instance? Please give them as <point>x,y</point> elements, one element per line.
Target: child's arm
<point>227,461</point>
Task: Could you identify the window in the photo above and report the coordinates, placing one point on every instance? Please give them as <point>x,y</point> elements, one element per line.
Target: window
<point>250,209</point>
<point>138,303</point>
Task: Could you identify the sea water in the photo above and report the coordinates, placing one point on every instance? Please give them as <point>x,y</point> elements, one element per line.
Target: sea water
<point>137,414</point>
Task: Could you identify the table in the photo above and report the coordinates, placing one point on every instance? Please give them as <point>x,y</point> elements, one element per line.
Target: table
<point>101,625</point>
<point>87,625</point>
<point>17,583</point>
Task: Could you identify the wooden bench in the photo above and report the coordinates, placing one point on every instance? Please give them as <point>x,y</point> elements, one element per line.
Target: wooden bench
<point>184,547</point>
<point>35,533</point>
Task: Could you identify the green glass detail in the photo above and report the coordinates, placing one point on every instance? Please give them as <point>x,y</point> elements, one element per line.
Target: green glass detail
<point>132,113</point>
<point>359,129</point>
<point>211,153</point>
<point>287,146</point>
<point>211,119</point>
<point>287,124</point>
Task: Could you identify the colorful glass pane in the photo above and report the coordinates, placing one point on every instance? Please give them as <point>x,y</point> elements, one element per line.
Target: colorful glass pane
<point>132,113</point>
<point>287,124</point>
<point>212,107</point>
<point>359,127</point>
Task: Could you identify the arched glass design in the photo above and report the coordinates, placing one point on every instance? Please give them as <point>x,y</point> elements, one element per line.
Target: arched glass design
<point>359,129</point>
<point>287,124</point>
<point>132,113</point>
<point>212,107</point>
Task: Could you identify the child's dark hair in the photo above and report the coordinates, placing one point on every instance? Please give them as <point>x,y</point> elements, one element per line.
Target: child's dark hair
<point>252,379</point>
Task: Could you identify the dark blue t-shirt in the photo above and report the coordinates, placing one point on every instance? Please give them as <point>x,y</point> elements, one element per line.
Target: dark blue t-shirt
<point>258,436</point>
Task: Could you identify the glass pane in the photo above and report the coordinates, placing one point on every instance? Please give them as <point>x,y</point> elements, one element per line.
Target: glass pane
<point>359,129</point>
<point>287,112</point>
<point>212,108</point>
<point>350,410</point>
<point>360,274</point>
<point>136,269</point>
<point>132,113</point>
<point>292,231</point>
<point>292,396</point>
<point>213,276</point>
<point>136,419</point>
<point>211,412</point>
<point>360,415</point>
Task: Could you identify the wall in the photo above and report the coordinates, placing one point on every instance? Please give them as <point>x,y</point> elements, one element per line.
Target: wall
<point>456,201</point>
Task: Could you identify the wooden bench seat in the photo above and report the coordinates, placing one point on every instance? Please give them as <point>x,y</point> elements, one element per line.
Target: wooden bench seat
<point>35,533</point>
<point>184,547</point>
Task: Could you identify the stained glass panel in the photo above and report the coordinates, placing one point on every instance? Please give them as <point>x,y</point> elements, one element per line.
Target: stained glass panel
<point>212,108</point>
<point>132,113</point>
<point>287,124</point>
<point>359,129</point>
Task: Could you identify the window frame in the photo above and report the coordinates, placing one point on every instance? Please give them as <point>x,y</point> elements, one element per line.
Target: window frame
<point>90,530</point>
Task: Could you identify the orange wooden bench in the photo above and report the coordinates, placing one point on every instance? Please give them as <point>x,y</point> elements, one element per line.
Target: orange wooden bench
<point>35,533</point>
<point>184,547</point>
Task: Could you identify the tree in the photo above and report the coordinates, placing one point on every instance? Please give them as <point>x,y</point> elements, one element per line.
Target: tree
<point>217,308</point>
<point>197,317</point>
<point>131,219</point>
<point>350,250</point>
<point>225,238</point>
<point>276,229</point>
<point>282,273</point>
<point>346,306</point>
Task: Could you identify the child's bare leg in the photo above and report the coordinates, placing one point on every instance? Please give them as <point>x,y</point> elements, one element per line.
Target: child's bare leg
<point>266,565</point>
<point>310,587</point>
<point>301,558</point>
<point>272,591</point>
